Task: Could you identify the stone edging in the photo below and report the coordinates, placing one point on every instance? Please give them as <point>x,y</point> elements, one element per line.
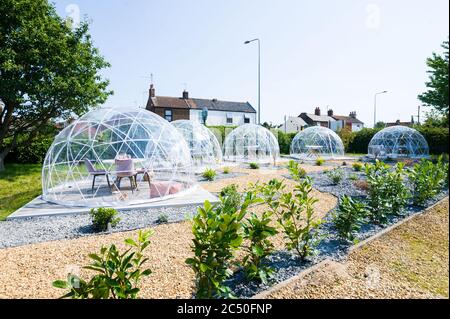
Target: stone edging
<point>303,273</point>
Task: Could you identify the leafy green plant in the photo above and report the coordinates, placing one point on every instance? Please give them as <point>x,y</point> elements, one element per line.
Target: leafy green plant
<point>226,170</point>
<point>233,196</point>
<point>348,217</point>
<point>217,231</point>
<point>102,216</point>
<point>320,161</point>
<point>254,165</point>
<point>162,218</point>
<point>387,192</point>
<point>209,174</point>
<point>353,177</point>
<point>357,166</point>
<point>257,231</point>
<point>296,171</point>
<point>335,175</point>
<point>118,274</point>
<point>427,179</point>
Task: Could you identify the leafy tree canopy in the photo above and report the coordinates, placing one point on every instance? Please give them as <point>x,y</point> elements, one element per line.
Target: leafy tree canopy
<point>47,71</point>
<point>437,94</point>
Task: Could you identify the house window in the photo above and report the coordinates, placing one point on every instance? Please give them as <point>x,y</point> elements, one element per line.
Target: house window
<point>246,119</point>
<point>168,115</point>
<point>229,118</point>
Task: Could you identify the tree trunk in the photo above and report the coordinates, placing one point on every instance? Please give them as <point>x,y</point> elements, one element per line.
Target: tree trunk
<point>2,163</point>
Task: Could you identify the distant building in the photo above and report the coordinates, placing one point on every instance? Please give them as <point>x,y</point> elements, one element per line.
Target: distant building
<point>293,124</point>
<point>350,122</point>
<point>186,108</point>
<point>408,124</point>
<point>317,119</point>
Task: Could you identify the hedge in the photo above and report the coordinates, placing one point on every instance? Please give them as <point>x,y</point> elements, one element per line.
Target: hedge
<point>33,153</point>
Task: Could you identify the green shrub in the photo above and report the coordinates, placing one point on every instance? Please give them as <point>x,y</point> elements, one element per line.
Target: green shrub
<point>296,171</point>
<point>427,179</point>
<point>233,196</point>
<point>254,165</point>
<point>348,217</point>
<point>226,170</point>
<point>319,161</point>
<point>209,174</point>
<point>360,140</point>
<point>387,193</point>
<point>102,216</point>
<point>437,138</point>
<point>217,231</point>
<point>257,231</point>
<point>357,166</point>
<point>162,218</point>
<point>335,175</point>
<point>353,177</point>
<point>118,273</point>
<point>284,141</point>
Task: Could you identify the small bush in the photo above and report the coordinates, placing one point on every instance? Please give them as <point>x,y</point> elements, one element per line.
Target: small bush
<point>353,177</point>
<point>209,174</point>
<point>217,234</point>
<point>320,161</point>
<point>101,217</point>
<point>348,217</point>
<point>257,231</point>
<point>162,219</point>
<point>357,166</point>
<point>335,175</point>
<point>118,275</point>
<point>254,165</point>
<point>226,170</point>
<point>296,171</point>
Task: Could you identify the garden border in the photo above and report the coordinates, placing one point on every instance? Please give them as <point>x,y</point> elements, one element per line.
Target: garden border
<point>264,294</point>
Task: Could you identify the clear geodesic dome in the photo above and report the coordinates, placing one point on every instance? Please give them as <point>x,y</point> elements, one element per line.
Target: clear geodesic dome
<point>251,143</point>
<point>203,144</point>
<point>113,156</point>
<point>398,141</point>
<point>316,141</point>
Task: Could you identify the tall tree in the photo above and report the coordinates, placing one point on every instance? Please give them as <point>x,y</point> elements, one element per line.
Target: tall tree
<point>437,94</point>
<point>48,71</point>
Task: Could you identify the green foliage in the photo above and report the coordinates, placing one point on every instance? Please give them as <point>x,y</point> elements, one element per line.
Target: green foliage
<point>346,136</point>
<point>437,138</point>
<point>386,191</point>
<point>162,219</point>
<point>335,175</point>
<point>217,231</point>
<point>254,165</point>
<point>284,141</point>
<point>48,70</point>
<point>428,179</point>
<point>226,170</point>
<point>357,166</point>
<point>348,217</point>
<point>118,274</point>
<point>257,231</point>
<point>102,216</point>
<point>353,177</point>
<point>209,174</point>
<point>233,196</point>
<point>437,84</point>
<point>361,140</point>
<point>297,173</point>
<point>320,161</point>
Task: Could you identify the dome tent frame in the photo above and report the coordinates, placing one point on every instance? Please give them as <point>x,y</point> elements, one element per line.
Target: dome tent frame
<point>103,137</point>
<point>203,144</point>
<point>316,141</point>
<point>251,143</point>
<point>398,142</point>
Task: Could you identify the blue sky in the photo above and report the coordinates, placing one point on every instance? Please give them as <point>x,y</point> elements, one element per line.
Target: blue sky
<point>314,52</point>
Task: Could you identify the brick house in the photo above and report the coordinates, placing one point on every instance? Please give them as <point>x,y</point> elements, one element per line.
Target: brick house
<point>186,108</point>
<point>350,122</point>
<point>317,119</point>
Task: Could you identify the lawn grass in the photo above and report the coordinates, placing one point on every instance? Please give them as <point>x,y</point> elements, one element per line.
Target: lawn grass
<point>19,183</point>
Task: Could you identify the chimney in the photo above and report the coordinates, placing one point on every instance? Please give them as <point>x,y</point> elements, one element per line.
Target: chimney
<point>330,112</point>
<point>353,114</point>
<point>185,95</point>
<point>152,90</point>
<point>317,111</point>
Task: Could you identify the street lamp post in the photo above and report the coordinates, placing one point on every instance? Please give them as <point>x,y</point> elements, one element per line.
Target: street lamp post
<point>259,76</point>
<point>375,107</point>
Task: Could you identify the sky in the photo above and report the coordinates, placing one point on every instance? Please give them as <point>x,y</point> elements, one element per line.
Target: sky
<point>314,53</point>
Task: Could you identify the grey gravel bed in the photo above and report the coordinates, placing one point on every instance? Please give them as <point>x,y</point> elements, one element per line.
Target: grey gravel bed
<point>287,264</point>
<point>19,232</point>
<point>220,175</point>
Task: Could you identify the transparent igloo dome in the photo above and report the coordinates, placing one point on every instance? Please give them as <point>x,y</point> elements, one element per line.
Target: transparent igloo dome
<point>316,141</point>
<point>398,141</point>
<point>251,143</point>
<point>112,156</point>
<point>203,144</point>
